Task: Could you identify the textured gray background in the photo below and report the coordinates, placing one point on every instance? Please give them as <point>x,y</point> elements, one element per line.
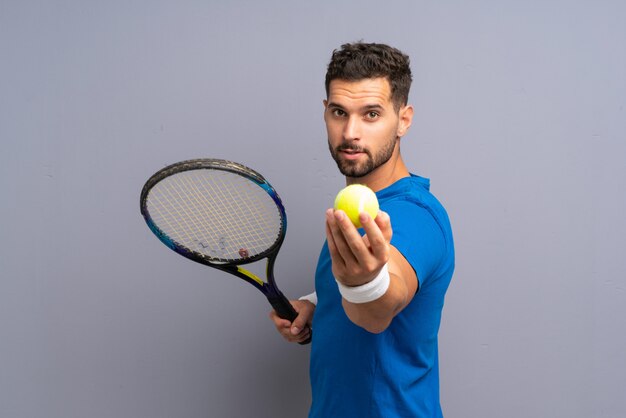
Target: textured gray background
<point>519,122</point>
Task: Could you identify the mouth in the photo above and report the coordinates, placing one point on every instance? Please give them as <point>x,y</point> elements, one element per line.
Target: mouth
<point>351,154</point>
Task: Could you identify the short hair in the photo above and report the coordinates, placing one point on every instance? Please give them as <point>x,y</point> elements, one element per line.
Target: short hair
<point>358,61</point>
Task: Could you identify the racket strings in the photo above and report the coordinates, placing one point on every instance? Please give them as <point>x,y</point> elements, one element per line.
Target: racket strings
<point>219,214</point>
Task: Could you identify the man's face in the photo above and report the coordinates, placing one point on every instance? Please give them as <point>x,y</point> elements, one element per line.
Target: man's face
<point>362,125</point>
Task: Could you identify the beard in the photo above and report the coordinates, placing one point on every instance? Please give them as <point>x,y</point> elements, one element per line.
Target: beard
<point>355,169</point>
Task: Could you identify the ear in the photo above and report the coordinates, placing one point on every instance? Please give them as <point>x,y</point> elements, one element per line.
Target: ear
<point>405,119</point>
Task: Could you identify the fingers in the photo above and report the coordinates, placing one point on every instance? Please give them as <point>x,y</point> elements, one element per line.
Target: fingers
<point>378,234</point>
<point>384,223</point>
<point>300,329</point>
<point>347,247</point>
<point>279,322</point>
<point>287,331</point>
<point>298,325</point>
<point>343,237</point>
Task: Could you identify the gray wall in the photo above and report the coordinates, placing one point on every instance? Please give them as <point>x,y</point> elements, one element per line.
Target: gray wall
<point>520,123</point>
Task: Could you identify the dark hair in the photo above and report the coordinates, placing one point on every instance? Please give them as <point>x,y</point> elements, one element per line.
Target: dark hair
<point>358,61</point>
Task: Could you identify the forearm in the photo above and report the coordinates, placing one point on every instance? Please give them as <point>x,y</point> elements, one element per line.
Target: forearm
<point>360,261</point>
<point>375,316</point>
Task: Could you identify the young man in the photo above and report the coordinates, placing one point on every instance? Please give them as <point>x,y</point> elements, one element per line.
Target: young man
<point>380,290</point>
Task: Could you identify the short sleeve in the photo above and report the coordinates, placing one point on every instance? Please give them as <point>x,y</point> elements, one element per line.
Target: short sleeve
<point>418,237</point>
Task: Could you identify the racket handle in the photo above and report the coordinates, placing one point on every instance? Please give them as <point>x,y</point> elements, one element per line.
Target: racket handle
<point>285,310</point>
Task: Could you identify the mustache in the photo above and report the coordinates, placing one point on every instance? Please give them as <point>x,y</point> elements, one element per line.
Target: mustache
<point>351,147</point>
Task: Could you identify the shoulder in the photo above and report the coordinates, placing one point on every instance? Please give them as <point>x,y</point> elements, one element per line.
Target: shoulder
<point>410,197</point>
<point>421,228</point>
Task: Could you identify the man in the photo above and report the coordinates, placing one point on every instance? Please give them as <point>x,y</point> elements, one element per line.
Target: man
<point>380,290</point>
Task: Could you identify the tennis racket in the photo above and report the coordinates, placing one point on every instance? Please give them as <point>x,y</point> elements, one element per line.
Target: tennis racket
<point>221,214</point>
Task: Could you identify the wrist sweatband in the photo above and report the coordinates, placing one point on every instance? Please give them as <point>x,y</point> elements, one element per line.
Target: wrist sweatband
<point>312,297</point>
<point>369,291</point>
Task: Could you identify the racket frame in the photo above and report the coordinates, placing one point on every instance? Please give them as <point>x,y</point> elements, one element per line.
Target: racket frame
<point>279,302</point>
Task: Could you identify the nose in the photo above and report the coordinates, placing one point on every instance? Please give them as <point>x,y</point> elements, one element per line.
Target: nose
<point>352,129</point>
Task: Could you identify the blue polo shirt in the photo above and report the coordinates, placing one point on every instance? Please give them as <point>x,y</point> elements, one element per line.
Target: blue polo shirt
<point>357,374</point>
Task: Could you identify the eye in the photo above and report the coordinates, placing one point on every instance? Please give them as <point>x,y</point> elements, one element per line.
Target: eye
<point>338,112</point>
<point>371,115</point>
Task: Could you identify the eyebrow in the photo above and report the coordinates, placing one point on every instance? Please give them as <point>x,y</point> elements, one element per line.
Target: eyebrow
<point>363,108</point>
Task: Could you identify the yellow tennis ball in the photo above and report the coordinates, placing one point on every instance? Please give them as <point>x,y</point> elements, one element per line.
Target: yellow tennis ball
<point>355,199</point>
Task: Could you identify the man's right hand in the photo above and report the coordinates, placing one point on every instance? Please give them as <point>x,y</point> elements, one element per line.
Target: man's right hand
<point>300,329</point>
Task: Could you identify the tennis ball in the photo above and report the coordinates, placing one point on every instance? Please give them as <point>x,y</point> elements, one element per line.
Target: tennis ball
<point>357,198</point>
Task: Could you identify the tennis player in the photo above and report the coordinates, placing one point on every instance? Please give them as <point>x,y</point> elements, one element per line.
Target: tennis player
<point>379,290</point>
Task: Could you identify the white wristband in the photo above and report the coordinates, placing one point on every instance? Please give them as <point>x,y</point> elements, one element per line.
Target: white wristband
<point>311,297</point>
<point>369,291</point>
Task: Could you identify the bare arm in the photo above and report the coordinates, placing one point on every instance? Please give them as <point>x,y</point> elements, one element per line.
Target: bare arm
<point>357,260</point>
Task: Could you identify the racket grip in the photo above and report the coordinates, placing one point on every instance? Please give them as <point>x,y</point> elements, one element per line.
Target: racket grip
<point>285,310</point>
